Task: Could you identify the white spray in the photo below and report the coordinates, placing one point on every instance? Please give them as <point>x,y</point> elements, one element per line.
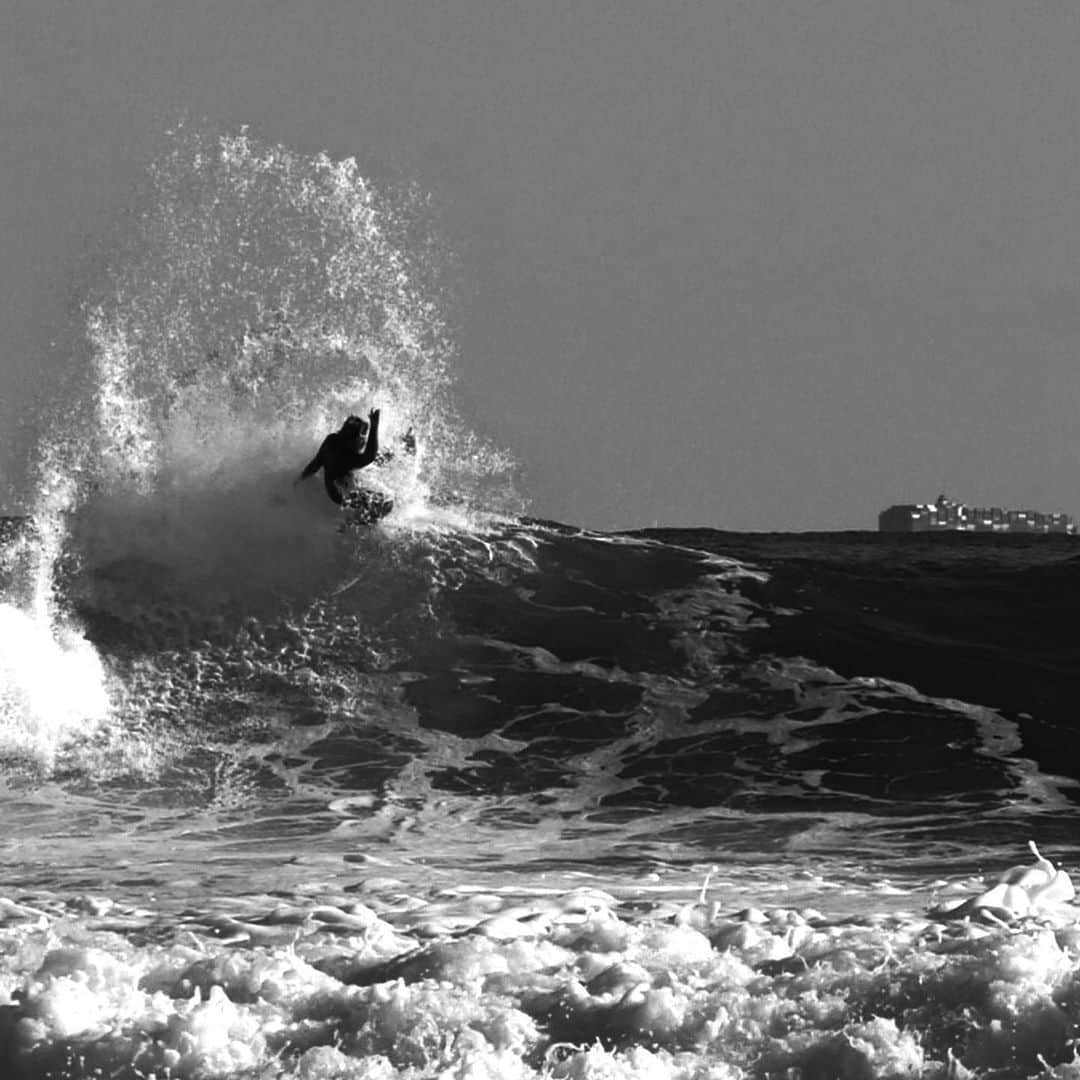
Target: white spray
<point>53,685</point>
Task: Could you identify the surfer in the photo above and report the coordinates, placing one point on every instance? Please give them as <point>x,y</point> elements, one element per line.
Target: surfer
<point>343,452</point>
<point>354,447</point>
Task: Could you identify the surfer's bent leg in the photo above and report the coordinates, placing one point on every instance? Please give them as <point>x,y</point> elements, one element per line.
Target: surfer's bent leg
<point>331,486</point>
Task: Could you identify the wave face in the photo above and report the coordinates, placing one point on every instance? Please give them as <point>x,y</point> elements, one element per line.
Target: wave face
<point>472,794</point>
<point>568,696</point>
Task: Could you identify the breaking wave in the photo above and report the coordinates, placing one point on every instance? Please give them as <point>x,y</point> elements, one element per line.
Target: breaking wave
<point>258,297</point>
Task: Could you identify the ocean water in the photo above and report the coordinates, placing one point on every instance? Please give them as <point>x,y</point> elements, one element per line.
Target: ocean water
<point>470,794</point>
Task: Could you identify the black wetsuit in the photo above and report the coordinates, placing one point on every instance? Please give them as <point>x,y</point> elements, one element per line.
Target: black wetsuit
<point>338,457</point>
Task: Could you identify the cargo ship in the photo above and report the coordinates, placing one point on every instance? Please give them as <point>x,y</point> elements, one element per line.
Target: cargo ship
<point>946,515</point>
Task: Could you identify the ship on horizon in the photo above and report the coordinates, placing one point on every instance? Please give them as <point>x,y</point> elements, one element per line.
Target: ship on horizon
<point>947,515</point>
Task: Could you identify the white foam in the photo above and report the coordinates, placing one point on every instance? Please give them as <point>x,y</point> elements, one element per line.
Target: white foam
<point>52,686</point>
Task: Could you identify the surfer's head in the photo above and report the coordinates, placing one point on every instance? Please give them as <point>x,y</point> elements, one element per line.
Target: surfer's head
<point>355,427</point>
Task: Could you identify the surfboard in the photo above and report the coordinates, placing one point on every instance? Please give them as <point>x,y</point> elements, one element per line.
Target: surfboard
<point>366,506</point>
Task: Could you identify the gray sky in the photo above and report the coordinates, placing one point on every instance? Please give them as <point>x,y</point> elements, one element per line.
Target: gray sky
<point>751,264</point>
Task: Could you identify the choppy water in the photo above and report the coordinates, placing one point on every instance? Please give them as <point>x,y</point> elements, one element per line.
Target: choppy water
<point>474,795</point>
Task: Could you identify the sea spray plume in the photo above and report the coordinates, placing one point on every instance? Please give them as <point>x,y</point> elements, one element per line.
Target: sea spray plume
<point>263,295</point>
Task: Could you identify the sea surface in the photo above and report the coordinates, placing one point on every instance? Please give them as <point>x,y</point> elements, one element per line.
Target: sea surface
<point>471,794</point>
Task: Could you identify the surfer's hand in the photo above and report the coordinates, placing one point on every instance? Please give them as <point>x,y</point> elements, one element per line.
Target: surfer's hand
<point>373,416</point>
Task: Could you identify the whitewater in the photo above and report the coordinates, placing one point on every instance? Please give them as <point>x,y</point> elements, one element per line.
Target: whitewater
<point>469,794</point>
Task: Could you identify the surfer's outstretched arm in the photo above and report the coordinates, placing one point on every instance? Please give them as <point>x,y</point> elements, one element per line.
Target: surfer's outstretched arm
<point>371,447</point>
